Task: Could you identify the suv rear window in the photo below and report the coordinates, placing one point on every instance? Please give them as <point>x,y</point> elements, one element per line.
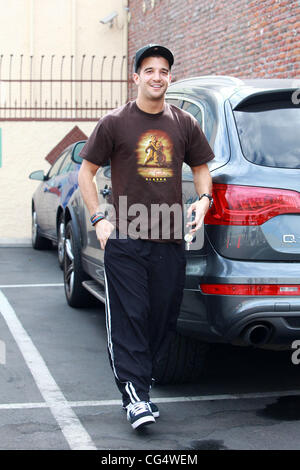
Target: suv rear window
<point>269,133</point>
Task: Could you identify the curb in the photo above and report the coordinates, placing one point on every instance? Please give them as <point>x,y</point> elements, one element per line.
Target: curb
<point>15,242</point>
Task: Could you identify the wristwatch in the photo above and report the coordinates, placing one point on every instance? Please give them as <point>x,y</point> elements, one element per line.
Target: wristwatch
<point>211,201</point>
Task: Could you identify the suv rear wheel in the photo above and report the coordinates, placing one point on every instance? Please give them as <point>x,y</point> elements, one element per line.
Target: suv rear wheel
<point>183,362</point>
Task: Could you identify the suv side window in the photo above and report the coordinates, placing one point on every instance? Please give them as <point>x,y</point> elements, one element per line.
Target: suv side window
<point>202,112</point>
<point>195,110</point>
<point>186,172</point>
<point>56,166</point>
<point>174,101</point>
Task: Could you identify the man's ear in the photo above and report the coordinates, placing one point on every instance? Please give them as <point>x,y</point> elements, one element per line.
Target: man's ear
<point>170,78</point>
<point>136,78</point>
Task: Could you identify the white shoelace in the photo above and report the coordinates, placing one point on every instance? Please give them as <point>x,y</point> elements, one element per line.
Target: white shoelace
<point>138,407</point>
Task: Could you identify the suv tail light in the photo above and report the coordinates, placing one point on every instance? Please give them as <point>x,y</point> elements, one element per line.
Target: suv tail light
<point>250,205</point>
<point>250,289</point>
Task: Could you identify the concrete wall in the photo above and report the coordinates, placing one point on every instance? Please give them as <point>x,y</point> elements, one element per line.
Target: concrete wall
<point>24,147</point>
<point>35,27</point>
<point>60,39</point>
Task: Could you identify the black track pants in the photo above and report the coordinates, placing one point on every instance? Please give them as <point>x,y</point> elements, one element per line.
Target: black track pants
<point>144,286</point>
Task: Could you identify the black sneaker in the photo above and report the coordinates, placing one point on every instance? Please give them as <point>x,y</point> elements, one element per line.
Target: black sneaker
<point>153,407</point>
<point>139,414</point>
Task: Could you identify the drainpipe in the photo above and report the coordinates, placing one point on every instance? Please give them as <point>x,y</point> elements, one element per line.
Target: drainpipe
<point>31,27</point>
<point>125,39</point>
<point>73,52</point>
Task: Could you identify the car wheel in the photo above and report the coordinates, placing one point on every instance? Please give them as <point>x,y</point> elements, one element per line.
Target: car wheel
<point>38,242</point>
<point>61,241</point>
<point>76,294</point>
<point>183,362</point>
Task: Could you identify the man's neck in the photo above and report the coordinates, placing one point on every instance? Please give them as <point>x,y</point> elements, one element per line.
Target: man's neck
<point>151,107</point>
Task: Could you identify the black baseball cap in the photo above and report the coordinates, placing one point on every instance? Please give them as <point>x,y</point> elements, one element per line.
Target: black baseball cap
<point>150,49</point>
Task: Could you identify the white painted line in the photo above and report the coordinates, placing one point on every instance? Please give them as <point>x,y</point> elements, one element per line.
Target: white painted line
<point>2,352</point>
<point>7,286</point>
<point>75,434</point>
<point>21,406</point>
<point>99,403</point>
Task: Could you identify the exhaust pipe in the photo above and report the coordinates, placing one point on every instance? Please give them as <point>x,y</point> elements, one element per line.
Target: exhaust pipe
<point>257,334</point>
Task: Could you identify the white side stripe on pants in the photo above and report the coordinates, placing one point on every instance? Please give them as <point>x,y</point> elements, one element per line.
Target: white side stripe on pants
<point>129,386</point>
<point>108,326</point>
<point>131,392</point>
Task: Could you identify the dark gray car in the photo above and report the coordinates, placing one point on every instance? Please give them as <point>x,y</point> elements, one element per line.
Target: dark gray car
<point>243,281</point>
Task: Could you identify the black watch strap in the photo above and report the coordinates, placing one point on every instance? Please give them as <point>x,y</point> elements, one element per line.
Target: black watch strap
<point>209,196</point>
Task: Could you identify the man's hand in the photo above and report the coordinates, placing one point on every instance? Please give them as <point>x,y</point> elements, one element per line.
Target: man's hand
<point>103,231</point>
<point>199,208</point>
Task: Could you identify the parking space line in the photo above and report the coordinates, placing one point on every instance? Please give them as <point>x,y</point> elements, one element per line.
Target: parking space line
<point>21,406</point>
<point>75,434</point>
<point>7,286</point>
<point>205,398</point>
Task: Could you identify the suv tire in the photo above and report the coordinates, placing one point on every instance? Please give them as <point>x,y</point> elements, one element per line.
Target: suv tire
<point>183,362</point>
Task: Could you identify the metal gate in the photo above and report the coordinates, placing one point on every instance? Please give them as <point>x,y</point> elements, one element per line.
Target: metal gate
<point>61,88</point>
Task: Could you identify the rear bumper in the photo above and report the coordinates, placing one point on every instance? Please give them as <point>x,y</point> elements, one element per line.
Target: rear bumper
<point>279,320</point>
<point>227,318</point>
<point>257,321</point>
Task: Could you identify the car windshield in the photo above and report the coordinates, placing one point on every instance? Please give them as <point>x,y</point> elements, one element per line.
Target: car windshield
<point>269,133</point>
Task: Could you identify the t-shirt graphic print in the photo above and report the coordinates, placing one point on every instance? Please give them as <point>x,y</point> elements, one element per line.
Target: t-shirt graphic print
<point>146,152</point>
<point>154,156</point>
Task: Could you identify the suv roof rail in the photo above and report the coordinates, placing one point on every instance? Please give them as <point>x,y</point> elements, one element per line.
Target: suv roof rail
<point>225,80</point>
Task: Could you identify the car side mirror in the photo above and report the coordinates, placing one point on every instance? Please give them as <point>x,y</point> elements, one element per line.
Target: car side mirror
<point>37,175</point>
<point>76,151</point>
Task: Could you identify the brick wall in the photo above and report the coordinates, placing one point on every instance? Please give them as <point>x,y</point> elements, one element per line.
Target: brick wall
<point>243,38</point>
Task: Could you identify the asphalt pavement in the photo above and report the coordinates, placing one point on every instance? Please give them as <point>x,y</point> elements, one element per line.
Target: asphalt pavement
<point>57,390</point>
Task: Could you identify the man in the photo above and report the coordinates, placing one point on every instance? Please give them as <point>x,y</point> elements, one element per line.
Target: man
<point>144,268</point>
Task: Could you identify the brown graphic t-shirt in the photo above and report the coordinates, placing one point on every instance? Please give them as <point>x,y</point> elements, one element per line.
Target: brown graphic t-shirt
<point>146,153</point>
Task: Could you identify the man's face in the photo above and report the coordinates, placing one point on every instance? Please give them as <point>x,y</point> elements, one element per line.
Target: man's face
<point>154,78</point>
